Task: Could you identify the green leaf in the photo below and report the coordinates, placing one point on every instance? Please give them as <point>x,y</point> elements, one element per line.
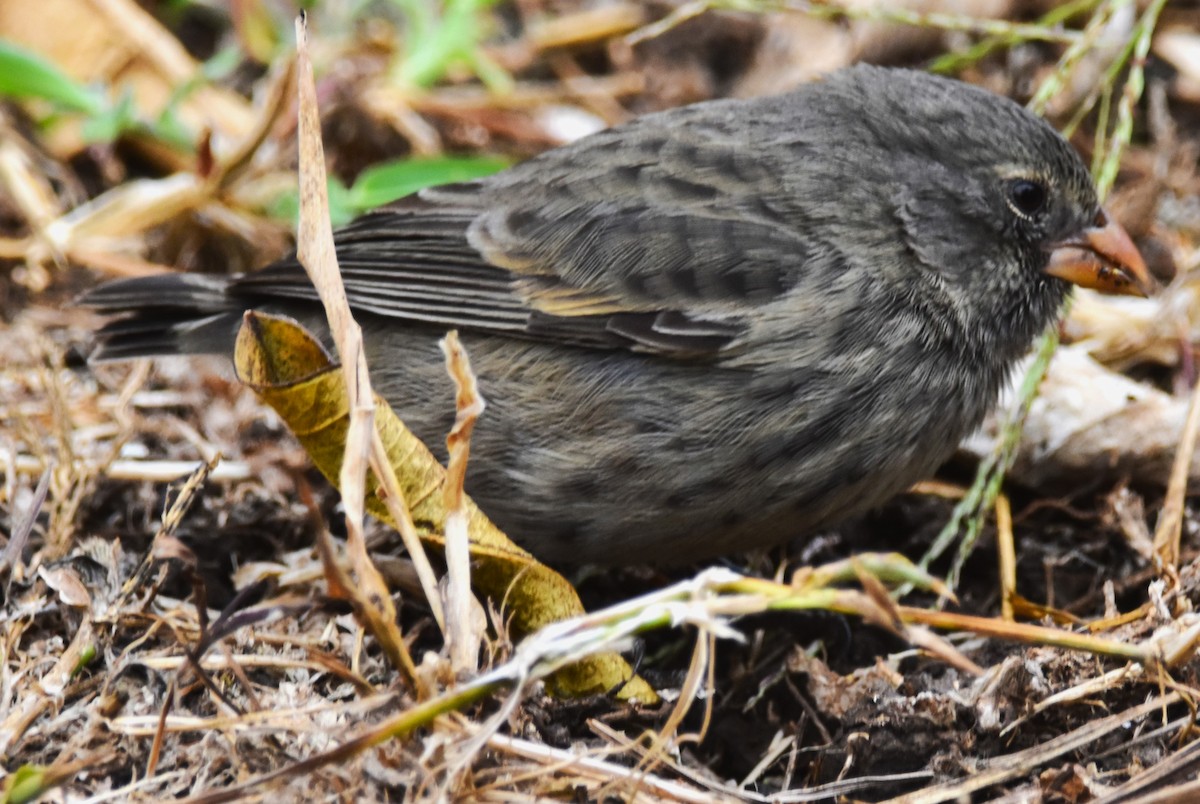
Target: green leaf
<point>86,657</point>
<point>109,123</point>
<point>222,64</point>
<point>384,183</point>
<point>341,209</point>
<point>388,181</point>
<point>439,36</point>
<point>27,783</point>
<point>24,74</point>
<point>286,206</point>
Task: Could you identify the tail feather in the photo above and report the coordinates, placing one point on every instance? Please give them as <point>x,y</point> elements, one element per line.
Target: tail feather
<point>188,292</point>
<point>164,315</point>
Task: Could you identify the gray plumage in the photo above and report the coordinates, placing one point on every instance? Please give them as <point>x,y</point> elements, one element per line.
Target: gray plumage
<point>707,330</point>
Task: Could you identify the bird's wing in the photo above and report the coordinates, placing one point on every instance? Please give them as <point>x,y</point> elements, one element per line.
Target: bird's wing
<point>664,247</point>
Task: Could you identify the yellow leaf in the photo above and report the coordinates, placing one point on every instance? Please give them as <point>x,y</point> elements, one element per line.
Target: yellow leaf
<point>290,371</point>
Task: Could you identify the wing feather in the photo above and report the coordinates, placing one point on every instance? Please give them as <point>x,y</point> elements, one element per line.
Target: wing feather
<point>668,245</point>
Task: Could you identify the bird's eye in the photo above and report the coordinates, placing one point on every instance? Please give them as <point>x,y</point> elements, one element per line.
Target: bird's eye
<point>1027,197</point>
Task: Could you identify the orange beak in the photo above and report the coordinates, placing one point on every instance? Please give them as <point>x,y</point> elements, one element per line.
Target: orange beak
<point>1102,257</point>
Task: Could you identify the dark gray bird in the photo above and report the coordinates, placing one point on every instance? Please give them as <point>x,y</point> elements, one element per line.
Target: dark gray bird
<point>710,329</point>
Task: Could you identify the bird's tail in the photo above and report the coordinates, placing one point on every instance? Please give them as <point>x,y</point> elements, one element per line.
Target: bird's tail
<point>168,314</point>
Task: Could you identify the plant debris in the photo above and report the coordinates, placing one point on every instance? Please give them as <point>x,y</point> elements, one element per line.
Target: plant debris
<point>173,620</point>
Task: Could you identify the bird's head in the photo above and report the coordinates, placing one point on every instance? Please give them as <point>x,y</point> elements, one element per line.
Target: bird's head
<point>994,204</point>
<point>982,163</point>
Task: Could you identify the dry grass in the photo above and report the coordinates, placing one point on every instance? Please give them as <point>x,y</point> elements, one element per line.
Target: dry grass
<point>169,630</point>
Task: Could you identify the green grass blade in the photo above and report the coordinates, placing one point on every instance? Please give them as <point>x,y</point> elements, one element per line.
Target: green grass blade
<point>24,75</point>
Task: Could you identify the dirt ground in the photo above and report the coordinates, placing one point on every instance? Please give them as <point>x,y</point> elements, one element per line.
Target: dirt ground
<point>162,639</point>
